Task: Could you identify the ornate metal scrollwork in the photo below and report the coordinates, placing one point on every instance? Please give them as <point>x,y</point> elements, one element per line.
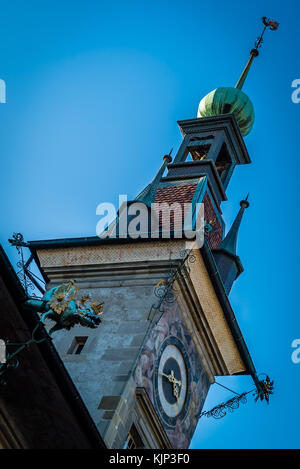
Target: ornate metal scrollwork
<point>219,411</point>
<point>165,289</point>
<point>17,240</point>
<point>222,409</point>
<point>188,258</point>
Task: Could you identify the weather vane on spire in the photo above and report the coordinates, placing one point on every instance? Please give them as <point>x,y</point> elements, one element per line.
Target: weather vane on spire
<point>268,23</point>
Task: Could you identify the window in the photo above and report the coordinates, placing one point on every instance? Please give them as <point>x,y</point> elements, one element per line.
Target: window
<point>133,440</point>
<point>129,443</point>
<point>77,345</point>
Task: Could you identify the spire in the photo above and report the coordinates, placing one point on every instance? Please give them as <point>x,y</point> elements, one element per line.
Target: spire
<point>229,100</point>
<point>147,196</point>
<point>230,241</point>
<point>228,262</point>
<point>268,23</point>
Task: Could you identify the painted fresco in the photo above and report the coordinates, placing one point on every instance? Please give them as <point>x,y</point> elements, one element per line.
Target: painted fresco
<point>171,324</point>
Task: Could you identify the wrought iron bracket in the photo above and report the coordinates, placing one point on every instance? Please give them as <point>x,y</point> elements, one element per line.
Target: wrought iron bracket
<point>28,279</point>
<point>165,290</point>
<point>232,404</point>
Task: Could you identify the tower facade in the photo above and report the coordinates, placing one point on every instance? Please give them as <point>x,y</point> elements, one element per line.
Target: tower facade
<point>144,374</point>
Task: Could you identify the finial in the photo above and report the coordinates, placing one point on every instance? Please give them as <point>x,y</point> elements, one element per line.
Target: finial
<point>168,158</point>
<point>268,23</point>
<point>244,203</point>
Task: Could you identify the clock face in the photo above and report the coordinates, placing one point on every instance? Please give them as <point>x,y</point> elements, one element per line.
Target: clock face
<point>171,381</point>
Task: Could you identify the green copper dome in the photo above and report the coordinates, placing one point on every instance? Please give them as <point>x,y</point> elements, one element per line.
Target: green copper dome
<point>229,101</point>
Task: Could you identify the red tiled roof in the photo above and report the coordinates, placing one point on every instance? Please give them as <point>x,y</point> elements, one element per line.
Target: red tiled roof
<point>183,194</point>
<point>180,194</point>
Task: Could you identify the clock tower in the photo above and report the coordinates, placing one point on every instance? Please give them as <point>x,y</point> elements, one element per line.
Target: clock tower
<point>168,327</point>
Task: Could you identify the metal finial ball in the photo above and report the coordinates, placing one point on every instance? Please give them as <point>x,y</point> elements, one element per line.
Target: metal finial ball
<point>244,203</point>
<point>167,158</point>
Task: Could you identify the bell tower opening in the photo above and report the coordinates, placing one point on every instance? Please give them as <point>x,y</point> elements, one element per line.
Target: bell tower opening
<point>223,163</point>
<point>199,147</point>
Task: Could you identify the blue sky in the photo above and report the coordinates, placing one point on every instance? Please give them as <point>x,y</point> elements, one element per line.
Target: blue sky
<point>94,90</point>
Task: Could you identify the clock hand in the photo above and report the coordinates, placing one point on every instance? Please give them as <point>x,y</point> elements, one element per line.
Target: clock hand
<point>168,376</point>
<point>172,378</point>
<point>175,382</point>
<point>175,392</point>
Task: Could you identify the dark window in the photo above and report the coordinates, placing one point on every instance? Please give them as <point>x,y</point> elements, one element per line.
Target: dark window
<point>129,443</point>
<point>77,345</point>
<point>133,440</point>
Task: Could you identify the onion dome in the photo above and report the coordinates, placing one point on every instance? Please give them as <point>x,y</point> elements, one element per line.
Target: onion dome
<point>229,101</point>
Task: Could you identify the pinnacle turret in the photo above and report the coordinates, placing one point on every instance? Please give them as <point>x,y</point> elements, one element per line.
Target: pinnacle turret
<point>227,260</point>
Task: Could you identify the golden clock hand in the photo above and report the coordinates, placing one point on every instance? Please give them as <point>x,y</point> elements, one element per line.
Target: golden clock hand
<point>174,380</point>
<point>175,392</point>
<point>168,376</point>
<point>177,382</point>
